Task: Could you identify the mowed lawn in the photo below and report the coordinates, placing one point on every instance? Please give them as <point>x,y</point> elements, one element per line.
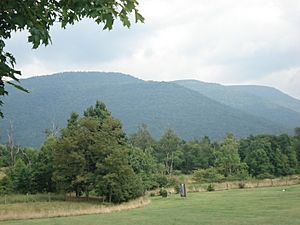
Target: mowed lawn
<point>256,206</point>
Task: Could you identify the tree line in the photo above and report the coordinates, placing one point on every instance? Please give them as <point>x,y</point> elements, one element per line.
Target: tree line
<point>92,155</point>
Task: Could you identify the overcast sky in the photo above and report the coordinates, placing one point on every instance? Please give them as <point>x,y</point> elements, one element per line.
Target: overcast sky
<point>228,42</point>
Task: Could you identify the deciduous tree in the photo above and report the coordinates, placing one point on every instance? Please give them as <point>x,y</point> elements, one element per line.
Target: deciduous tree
<point>168,150</point>
<point>228,159</point>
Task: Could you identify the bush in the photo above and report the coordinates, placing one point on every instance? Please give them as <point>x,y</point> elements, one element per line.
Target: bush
<point>265,176</point>
<point>177,172</point>
<point>210,187</point>
<point>161,180</point>
<point>126,185</point>
<point>208,175</point>
<point>149,181</point>
<point>164,181</point>
<point>6,186</point>
<point>152,194</point>
<point>177,189</point>
<point>172,181</point>
<point>242,185</point>
<point>163,193</point>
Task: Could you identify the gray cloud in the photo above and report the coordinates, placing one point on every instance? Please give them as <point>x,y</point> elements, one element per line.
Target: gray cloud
<point>83,43</point>
<point>233,41</point>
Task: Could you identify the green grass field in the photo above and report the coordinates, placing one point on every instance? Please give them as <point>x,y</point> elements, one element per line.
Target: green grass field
<point>237,206</point>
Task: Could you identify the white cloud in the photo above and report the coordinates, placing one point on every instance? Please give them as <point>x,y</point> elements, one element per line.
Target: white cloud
<point>286,80</point>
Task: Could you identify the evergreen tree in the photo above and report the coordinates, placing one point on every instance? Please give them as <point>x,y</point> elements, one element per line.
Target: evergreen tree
<point>92,153</point>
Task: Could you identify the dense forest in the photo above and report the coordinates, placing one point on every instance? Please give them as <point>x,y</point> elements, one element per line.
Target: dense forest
<point>92,155</point>
<point>192,109</point>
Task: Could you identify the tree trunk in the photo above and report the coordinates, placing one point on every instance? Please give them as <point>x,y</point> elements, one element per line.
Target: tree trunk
<point>110,194</point>
<point>171,164</point>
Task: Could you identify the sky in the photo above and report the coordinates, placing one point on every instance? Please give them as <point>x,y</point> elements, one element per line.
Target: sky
<point>227,42</point>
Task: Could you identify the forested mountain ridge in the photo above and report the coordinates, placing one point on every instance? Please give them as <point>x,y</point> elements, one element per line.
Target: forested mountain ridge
<point>271,94</point>
<point>160,105</point>
<point>261,101</point>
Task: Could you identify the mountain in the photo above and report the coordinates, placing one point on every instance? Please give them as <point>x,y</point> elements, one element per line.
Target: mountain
<point>270,94</point>
<point>160,105</point>
<point>261,101</point>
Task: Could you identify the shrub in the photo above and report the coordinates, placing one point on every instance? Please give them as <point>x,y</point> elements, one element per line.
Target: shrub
<point>6,186</point>
<point>242,185</point>
<point>177,172</point>
<point>163,193</point>
<point>164,181</point>
<point>172,181</point>
<point>208,175</point>
<point>161,180</point>
<point>177,189</point>
<point>210,187</point>
<point>152,194</point>
<point>265,176</point>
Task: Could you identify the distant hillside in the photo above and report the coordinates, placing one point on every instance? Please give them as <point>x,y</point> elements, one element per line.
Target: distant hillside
<point>271,94</point>
<point>160,105</point>
<point>261,101</point>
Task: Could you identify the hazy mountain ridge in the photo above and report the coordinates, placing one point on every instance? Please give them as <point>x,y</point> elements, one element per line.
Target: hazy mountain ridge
<point>261,101</point>
<point>271,94</point>
<point>160,105</point>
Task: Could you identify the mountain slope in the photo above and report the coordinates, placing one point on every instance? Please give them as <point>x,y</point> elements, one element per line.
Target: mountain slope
<point>265,102</point>
<point>270,94</point>
<point>160,105</point>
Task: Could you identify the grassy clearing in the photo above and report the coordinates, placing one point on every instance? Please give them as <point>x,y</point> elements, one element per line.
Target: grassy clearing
<point>63,208</point>
<point>193,186</point>
<point>262,206</point>
<point>20,198</point>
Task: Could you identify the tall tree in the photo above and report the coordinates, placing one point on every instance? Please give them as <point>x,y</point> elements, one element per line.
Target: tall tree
<point>21,176</point>
<point>258,162</point>
<point>256,155</point>
<point>197,155</point>
<point>270,155</point>
<point>142,138</point>
<point>116,180</point>
<point>296,146</point>
<point>228,159</point>
<point>92,153</point>
<point>168,150</point>
<point>37,17</point>
<point>144,164</point>
<point>43,167</point>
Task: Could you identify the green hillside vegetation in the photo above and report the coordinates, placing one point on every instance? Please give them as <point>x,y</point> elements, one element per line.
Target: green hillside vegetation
<point>260,101</point>
<point>271,94</point>
<point>160,105</point>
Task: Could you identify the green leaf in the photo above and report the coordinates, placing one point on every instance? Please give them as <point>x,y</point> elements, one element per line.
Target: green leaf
<point>129,6</point>
<point>18,87</point>
<point>109,20</point>
<point>139,17</point>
